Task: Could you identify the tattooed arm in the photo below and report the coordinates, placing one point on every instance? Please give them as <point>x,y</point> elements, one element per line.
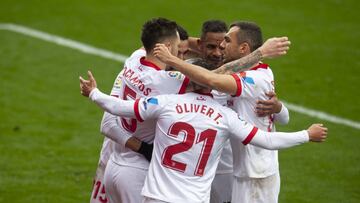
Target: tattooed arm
<point>223,83</point>
<point>272,48</point>
<point>241,64</point>
<point>197,74</point>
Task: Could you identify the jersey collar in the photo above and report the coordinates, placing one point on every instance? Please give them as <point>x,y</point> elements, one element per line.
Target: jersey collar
<point>145,62</point>
<point>260,65</point>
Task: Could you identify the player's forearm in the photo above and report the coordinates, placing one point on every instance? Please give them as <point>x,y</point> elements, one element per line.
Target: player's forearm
<point>111,129</point>
<point>279,140</point>
<point>193,44</point>
<point>195,73</point>
<point>241,64</point>
<point>283,116</point>
<point>113,105</point>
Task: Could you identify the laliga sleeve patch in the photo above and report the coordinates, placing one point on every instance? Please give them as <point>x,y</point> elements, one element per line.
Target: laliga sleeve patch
<point>175,74</point>
<point>117,83</point>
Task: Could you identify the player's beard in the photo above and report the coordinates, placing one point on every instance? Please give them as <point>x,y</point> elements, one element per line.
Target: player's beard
<point>215,62</point>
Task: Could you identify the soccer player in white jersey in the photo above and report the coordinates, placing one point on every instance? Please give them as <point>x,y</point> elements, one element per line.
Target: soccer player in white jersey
<point>142,75</point>
<point>212,34</point>
<point>256,170</point>
<point>191,131</point>
<point>110,125</point>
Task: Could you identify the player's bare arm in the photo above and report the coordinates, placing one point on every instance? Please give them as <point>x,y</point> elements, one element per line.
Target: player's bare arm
<point>272,48</point>
<point>224,83</point>
<point>202,76</point>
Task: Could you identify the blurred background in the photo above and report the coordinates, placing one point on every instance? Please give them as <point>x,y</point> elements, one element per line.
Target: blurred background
<point>49,133</point>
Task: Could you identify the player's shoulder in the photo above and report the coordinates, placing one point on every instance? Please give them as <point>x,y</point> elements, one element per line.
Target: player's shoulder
<point>134,58</point>
<point>262,68</point>
<point>230,116</point>
<point>138,53</point>
<point>163,99</point>
<point>262,72</point>
<point>172,75</point>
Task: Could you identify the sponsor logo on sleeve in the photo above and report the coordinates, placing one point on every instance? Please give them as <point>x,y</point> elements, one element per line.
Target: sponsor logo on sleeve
<point>248,80</point>
<point>150,100</point>
<point>153,100</point>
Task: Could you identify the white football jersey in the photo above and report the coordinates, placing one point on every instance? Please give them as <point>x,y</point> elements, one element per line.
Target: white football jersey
<point>252,161</point>
<point>141,78</point>
<point>191,131</point>
<point>225,165</point>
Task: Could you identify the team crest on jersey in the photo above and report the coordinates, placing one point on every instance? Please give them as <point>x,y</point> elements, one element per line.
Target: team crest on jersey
<point>175,74</point>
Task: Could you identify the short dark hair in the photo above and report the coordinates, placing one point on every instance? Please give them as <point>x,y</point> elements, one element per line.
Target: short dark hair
<point>202,62</point>
<point>182,33</point>
<point>249,32</point>
<point>156,30</point>
<point>216,26</point>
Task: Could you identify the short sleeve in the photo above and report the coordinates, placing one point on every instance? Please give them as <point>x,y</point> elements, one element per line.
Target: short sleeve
<point>237,79</point>
<point>173,80</point>
<point>251,83</point>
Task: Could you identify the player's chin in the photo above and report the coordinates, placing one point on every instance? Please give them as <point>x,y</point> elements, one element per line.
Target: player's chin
<point>216,62</point>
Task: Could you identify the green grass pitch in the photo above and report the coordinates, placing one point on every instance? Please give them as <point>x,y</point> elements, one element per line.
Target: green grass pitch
<point>49,134</point>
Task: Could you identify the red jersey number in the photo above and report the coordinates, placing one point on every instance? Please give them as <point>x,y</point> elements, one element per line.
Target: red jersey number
<point>129,124</point>
<point>207,136</point>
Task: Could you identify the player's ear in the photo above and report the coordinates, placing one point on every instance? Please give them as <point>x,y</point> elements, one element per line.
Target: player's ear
<point>244,48</point>
<point>167,44</point>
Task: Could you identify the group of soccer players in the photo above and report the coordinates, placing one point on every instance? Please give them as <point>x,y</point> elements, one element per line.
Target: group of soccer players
<point>203,132</point>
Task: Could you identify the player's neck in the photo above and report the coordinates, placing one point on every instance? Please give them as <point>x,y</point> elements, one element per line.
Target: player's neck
<point>155,61</point>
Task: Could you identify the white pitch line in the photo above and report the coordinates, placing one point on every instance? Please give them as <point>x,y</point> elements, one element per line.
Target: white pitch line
<point>121,58</point>
<point>322,115</point>
<point>63,42</point>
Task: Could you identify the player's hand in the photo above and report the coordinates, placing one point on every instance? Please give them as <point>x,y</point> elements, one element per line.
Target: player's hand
<point>86,86</point>
<point>275,47</point>
<point>162,52</point>
<point>268,107</point>
<point>317,132</point>
<point>146,150</point>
